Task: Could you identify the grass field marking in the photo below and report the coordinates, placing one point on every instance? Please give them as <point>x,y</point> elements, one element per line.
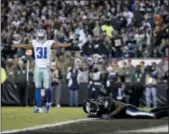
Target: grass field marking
<point>47,125</point>
<point>22,117</point>
<point>160,129</point>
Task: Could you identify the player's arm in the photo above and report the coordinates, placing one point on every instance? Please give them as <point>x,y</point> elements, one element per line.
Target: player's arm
<point>119,107</point>
<point>61,45</point>
<point>23,46</point>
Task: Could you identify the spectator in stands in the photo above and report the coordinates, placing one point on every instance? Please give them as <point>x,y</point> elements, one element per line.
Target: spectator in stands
<point>122,72</point>
<point>115,66</point>
<point>130,69</point>
<point>20,79</point>
<point>137,86</point>
<point>152,74</point>
<point>97,29</point>
<point>165,70</point>
<point>56,86</point>
<point>142,66</point>
<point>10,71</point>
<point>164,48</point>
<point>128,15</point>
<point>80,33</point>
<point>73,76</point>
<point>88,47</point>
<point>121,94</point>
<point>117,44</point>
<point>95,82</point>
<point>64,61</point>
<point>107,28</point>
<point>112,84</point>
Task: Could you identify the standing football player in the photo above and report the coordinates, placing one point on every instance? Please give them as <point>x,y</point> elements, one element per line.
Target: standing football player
<point>42,51</point>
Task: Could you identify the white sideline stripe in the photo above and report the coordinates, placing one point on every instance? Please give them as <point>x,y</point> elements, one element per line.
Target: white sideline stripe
<point>159,129</point>
<point>46,126</point>
<point>139,113</point>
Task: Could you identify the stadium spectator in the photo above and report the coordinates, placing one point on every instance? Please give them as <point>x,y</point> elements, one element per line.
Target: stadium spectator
<point>112,84</point>
<point>165,70</point>
<point>121,95</point>
<point>10,71</point>
<point>142,66</point>
<point>152,74</point>
<point>137,86</point>
<point>95,82</point>
<point>56,86</point>
<point>73,77</point>
<point>122,72</point>
<point>117,44</point>
<point>130,69</point>
<point>115,66</point>
<point>20,80</point>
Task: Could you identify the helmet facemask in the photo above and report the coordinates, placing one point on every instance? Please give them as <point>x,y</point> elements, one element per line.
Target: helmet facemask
<point>41,35</point>
<point>91,107</point>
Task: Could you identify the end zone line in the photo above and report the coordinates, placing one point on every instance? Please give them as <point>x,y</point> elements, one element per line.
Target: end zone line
<point>47,125</point>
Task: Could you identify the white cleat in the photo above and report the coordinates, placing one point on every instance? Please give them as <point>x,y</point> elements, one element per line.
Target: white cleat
<point>58,106</point>
<point>38,110</point>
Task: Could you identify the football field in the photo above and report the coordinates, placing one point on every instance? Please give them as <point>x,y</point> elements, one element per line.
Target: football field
<point>22,117</point>
<point>73,121</point>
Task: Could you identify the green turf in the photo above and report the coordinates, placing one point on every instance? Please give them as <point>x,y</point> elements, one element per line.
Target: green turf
<point>146,108</point>
<point>21,117</point>
<point>16,118</point>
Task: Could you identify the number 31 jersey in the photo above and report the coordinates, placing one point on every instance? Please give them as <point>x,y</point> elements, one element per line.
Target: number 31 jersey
<point>42,52</point>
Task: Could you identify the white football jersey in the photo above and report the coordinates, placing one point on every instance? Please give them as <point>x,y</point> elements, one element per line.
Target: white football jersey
<point>42,52</point>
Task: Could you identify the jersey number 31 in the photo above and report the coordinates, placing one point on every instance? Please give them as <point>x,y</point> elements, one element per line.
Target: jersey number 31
<point>41,52</point>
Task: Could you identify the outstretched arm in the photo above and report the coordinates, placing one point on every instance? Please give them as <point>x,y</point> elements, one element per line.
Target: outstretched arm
<point>119,107</point>
<point>61,45</point>
<point>23,46</point>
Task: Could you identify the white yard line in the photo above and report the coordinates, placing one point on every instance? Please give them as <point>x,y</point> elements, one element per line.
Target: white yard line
<point>160,129</point>
<point>47,125</point>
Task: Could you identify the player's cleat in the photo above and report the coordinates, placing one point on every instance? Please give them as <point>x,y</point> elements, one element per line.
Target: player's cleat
<point>58,106</point>
<point>48,106</point>
<point>38,110</point>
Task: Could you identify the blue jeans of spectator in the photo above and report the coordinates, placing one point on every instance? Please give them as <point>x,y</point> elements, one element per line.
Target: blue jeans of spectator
<point>74,97</point>
<point>151,91</point>
<point>93,91</point>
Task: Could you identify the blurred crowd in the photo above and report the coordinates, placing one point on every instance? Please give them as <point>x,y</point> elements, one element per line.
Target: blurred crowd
<point>120,79</point>
<point>115,28</point>
<point>101,31</point>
